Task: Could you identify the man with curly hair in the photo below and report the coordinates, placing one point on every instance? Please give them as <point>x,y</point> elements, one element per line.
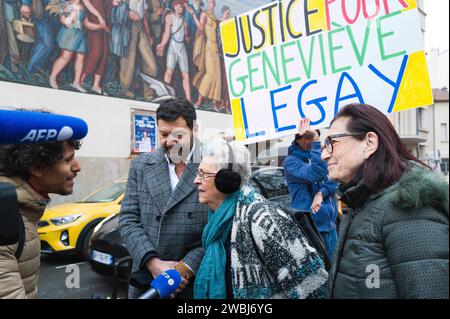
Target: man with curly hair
<point>35,170</point>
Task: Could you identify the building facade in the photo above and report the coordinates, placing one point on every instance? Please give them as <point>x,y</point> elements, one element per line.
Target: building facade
<point>438,152</point>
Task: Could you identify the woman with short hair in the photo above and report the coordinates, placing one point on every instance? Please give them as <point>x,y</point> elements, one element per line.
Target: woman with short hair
<point>394,241</point>
<point>253,249</point>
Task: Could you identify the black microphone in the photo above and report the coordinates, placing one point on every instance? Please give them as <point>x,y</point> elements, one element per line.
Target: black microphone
<point>163,286</point>
<point>18,127</point>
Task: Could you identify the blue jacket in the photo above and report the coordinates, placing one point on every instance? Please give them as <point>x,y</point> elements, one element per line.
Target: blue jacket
<point>306,174</point>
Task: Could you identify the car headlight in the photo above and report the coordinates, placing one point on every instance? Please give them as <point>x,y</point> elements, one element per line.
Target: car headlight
<point>58,221</point>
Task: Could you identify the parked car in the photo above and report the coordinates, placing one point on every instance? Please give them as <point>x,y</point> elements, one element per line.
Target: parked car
<point>68,227</point>
<point>107,247</point>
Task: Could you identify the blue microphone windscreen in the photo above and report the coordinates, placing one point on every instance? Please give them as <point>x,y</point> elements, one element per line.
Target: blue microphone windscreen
<point>167,283</point>
<point>28,127</point>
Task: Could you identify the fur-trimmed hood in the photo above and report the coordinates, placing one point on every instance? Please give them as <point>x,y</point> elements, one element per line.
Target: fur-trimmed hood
<point>419,188</point>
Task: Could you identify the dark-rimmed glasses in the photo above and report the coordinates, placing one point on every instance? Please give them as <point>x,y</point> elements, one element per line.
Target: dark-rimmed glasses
<point>329,141</point>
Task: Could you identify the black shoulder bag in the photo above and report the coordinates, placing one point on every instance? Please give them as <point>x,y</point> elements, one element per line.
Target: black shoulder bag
<point>306,223</point>
<point>12,230</point>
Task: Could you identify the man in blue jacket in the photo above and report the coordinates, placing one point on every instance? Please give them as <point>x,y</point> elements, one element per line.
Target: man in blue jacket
<point>308,183</point>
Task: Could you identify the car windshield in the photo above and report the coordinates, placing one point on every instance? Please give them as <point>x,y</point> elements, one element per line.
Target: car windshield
<point>108,194</point>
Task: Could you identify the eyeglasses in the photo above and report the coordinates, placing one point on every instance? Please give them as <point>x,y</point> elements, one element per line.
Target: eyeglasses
<point>329,141</point>
<point>204,175</point>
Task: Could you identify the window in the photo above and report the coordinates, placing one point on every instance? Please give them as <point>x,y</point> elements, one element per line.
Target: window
<point>444,132</point>
<point>107,194</point>
<point>421,120</point>
<point>444,166</point>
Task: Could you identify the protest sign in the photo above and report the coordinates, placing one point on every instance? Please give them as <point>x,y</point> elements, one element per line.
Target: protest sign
<point>292,59</point>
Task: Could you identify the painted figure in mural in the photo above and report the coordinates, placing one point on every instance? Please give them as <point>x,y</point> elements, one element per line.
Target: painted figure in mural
<point>176,31</point>
<point>225,102</point>
<point>167,4</point>
<point>206,57</point>
<point>197,7</point>
<point>72,40</point>
<point>156,13</point>
<point>23,37</point>
<point>141,42</point>
<point>9,14</point>
<point>3,37</point>
<point>44,44</point>
<point>120,36</point>
<point>97,57</point>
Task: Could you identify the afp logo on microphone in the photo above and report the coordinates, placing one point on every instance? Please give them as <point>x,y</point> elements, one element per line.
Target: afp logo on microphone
<point>167,282</point>
<point>17,126</point>
<point>47,135</point>
<point>170,280</point>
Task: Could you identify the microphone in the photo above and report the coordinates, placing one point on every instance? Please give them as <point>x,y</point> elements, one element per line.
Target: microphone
<point>164,285</point>
<point>17,127</point>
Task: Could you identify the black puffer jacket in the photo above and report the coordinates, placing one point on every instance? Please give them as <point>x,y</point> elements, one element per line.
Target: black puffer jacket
<point>400,234</point>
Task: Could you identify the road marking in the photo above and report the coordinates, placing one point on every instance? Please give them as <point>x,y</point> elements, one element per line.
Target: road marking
<point>78,264</point>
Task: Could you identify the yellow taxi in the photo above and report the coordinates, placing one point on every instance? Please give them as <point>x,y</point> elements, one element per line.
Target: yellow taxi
<point>68,227</point>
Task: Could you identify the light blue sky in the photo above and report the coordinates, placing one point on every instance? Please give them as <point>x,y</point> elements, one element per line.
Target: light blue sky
<point>437,24</point>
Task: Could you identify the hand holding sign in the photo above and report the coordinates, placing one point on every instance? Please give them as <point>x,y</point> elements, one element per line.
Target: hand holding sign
<point>306,131</point>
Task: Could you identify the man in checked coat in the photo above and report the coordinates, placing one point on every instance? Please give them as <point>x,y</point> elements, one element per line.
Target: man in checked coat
<point>161,220</point>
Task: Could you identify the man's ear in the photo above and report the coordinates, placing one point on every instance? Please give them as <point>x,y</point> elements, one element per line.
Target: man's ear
<point>35,172</point>
<point>372,143</point>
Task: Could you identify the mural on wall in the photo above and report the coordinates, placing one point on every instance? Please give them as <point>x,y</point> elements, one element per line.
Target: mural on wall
<point>143,50</point>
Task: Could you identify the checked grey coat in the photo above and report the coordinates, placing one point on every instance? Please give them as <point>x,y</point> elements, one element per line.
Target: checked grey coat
<point>155,221</point>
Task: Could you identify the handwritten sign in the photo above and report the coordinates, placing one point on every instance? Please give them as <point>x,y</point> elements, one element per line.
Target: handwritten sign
<point>308,58</point>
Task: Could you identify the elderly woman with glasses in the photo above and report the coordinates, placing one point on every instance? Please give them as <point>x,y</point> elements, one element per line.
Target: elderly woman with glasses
<point>253,249</point>
<point>394,241</point>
